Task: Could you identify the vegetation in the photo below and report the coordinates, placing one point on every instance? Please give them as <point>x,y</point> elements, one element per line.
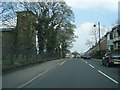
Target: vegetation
<point>54,24</point>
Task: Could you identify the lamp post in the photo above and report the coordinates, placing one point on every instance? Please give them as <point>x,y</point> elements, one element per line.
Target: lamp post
<point>99,37</point>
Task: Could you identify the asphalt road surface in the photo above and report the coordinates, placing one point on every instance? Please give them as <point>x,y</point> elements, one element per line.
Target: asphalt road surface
<point>77,73</point>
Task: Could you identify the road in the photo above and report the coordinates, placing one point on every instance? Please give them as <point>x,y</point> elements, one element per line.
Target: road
<point>77,73</point>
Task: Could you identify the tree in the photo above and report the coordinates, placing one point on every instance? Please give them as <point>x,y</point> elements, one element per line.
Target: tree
<point>94,32</point>
<point>54,24</point>
<point>90,43</point>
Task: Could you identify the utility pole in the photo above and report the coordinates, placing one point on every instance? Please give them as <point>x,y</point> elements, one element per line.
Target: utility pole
<point>99,37</point>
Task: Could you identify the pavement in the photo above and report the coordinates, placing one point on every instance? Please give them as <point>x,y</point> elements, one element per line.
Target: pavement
<point>19,78</point>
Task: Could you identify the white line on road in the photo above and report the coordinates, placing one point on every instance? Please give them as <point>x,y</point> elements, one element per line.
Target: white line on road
<point>86,62</point>
<point>108,76</point>
<point>82,59</point>
<point>30,81</point>
<point>91,66</point>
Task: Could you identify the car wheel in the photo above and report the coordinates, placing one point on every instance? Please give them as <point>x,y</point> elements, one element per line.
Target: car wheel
<point>107,64</point>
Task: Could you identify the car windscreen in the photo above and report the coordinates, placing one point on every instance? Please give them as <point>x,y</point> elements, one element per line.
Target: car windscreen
<point>115,54</point>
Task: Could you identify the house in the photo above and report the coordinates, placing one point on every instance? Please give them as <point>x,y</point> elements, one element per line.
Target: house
<point>116,37</point>
<point>103,43</point>
<point>109,41</point>
<point>113,38</point>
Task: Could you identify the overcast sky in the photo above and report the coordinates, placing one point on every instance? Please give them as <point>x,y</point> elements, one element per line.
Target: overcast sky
<point>90,12</point>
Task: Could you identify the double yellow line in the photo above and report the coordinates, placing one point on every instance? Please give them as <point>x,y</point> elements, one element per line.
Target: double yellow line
<point>62,62</point>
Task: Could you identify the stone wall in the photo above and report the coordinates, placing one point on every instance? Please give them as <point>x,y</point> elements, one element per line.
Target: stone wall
<point>21,40</point>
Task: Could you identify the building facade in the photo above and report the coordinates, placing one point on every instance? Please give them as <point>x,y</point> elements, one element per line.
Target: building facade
<point>111,41</point>
<point>116,37</point>
<point>113,38</point>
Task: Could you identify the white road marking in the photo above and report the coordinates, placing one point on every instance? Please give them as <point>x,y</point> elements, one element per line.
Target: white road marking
<point>108,76</point>
<point>82,59</point>
<point>91,66</point>
<point>86,62</point>
<point>30,81</point>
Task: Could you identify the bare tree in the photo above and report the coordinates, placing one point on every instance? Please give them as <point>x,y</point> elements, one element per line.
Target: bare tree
<point>89,43</point>
<point>94,32</point>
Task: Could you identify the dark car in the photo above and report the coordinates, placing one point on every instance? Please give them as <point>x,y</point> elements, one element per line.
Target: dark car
<point>111,58</point>
<point>86,56</point>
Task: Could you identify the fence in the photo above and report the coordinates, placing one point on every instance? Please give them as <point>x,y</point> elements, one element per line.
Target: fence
<point>19,56</point>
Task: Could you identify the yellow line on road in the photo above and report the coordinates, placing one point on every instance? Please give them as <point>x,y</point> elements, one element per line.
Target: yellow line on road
<point>62,62</point>
<point>33,79</point>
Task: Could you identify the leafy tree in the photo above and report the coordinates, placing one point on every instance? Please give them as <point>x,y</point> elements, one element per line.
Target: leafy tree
<point>54,24</point>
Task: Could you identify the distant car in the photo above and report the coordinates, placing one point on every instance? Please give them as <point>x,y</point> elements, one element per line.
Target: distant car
<point>111,58</point>
<point>86,56</point>
<point>67,57</point>
<point>78,56</point>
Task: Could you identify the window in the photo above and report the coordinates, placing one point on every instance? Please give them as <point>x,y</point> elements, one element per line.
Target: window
<point>111,47</point>
<point>111,36</point>
<point>108,37</point>
<point>118,32</point>
<point>118,45</point>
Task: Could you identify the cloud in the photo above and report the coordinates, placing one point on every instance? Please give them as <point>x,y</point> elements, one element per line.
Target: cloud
<point>83,33</point>
<point>85,4</point>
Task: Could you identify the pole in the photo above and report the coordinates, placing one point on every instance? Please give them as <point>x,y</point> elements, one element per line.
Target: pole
<point>99,38</point>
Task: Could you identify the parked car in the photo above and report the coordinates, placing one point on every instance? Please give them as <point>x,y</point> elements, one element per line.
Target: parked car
<point>86,56</point>
<point>111,58</point>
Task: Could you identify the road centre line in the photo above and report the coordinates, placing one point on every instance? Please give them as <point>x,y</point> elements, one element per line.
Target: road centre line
<point>62,62</point>
<point>108,76</point>
<point>30,81</point>
<point>91,66</point>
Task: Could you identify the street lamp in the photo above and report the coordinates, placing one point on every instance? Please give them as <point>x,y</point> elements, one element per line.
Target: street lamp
<point>99,36</point>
